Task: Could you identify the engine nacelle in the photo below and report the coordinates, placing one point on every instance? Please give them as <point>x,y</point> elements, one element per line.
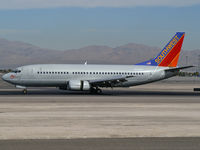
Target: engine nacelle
<point>77,85</point>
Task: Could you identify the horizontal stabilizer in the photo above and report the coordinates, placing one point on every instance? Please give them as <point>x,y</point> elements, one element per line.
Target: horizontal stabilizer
<point>179,68</point>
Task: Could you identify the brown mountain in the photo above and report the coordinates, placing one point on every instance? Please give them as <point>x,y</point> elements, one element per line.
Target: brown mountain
<point>14,53</point>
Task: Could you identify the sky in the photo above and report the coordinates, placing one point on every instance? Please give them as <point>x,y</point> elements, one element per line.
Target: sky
<point>72,24</point>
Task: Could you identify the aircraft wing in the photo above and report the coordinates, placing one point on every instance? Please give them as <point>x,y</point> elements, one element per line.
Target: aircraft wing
<point>109,82</point>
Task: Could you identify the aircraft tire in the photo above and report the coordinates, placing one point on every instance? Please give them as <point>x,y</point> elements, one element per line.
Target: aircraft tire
<point>95,91</point>
<point>25,91</point>
<point>98,91</point>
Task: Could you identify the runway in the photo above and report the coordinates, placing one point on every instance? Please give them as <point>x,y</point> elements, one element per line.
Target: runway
<point>104,144</point>
<point>70,116</point>
<point>145,117</point>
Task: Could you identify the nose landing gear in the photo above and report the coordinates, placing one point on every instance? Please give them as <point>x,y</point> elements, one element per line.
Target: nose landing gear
<point>25,91</point>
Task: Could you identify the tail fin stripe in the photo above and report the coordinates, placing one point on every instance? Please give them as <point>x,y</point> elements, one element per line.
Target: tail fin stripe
<point>174,61</point>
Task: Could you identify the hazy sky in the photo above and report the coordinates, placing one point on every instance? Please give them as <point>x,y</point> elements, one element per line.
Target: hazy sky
<point>67,24</point>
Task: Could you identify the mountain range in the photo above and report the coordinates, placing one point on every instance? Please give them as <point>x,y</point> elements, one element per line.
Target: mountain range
<point>15,53</point>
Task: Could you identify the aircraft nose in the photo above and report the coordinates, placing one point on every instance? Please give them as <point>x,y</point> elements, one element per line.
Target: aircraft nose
<point>5,77</point>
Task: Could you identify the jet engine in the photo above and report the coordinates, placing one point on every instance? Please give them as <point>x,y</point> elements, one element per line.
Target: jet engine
<point>77,85</point>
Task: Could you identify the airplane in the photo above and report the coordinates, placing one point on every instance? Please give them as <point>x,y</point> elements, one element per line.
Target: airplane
<point>92,77</point>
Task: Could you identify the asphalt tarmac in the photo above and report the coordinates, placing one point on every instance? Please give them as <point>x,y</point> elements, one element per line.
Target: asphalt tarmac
<point>104,144</point>
<point>163,116</point>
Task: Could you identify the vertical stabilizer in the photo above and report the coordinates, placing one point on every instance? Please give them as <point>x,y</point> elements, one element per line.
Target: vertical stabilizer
<point>169,56</point>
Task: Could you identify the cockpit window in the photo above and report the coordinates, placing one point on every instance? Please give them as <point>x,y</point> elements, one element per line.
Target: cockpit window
<point>16,71</point>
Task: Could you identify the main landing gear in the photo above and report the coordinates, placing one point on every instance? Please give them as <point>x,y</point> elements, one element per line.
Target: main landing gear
<point>95,90</point>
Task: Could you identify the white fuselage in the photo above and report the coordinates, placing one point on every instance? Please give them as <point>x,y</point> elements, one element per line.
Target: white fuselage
<point>57,75</point>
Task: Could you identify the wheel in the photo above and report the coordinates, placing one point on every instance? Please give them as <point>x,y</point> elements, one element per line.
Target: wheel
<point>25,91</point>
<point>98,91</point>
<point>92,90</point>
<point>95,90</point>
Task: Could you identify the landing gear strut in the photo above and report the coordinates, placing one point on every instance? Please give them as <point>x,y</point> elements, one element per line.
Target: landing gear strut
<point>96,90</point>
